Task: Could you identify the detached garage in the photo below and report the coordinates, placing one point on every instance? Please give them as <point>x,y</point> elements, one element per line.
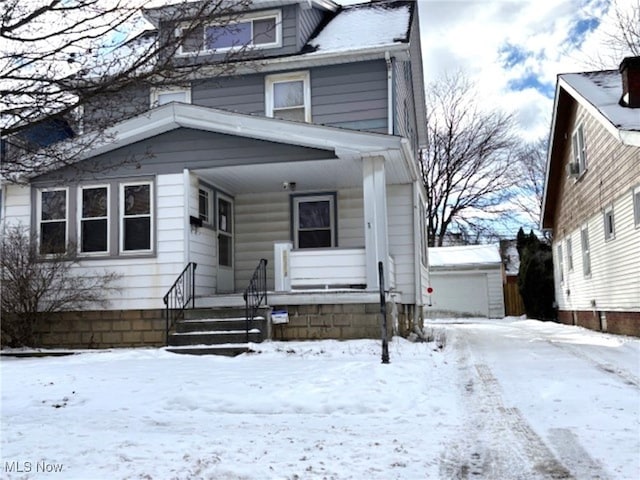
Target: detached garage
<point>466,281</point>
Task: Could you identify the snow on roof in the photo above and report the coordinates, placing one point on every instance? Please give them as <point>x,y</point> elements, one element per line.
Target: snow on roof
<point>464,255</point>
<point>365,25</point>
<point>603,90</point>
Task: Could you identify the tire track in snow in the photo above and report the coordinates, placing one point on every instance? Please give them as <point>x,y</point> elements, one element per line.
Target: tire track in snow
<point>627,377</point>
<point>499,443</point>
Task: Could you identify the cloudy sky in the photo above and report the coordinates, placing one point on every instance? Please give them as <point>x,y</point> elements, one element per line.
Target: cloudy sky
<point>514,49</point>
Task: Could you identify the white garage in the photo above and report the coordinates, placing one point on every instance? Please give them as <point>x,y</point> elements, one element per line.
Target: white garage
<point>466,281</point>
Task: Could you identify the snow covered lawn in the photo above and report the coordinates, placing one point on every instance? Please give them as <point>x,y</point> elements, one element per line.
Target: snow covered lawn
<point>487,399</point>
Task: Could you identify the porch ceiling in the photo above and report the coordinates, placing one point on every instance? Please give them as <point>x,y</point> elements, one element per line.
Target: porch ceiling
<point>311,175</point>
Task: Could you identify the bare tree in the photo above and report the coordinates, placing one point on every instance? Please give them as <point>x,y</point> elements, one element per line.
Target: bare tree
<point>620,38</point>
<point>467,165</point>
<point>531,160</point>
<point>58,56</point>
<point>32,286</point>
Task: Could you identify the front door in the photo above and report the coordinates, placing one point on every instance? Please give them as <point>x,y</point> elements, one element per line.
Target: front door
<point>224,209</point>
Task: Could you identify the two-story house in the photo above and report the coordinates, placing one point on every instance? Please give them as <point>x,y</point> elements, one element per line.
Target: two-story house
<point>308,160</point>
<point>592,198</point>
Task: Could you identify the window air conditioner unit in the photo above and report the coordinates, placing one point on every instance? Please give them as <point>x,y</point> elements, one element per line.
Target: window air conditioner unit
<point>573,169</point>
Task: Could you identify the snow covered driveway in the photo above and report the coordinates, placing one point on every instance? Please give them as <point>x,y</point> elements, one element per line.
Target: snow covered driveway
<point>505,399</point>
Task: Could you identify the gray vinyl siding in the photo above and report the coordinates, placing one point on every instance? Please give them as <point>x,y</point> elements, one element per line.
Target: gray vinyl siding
<point>108,109</point>
<point>243,94</point>
<point>308,21</point>
<point>182,148</point>
<point>404,111</point>
<point>351,95</point>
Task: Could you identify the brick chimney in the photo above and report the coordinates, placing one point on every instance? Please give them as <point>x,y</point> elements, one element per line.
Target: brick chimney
<point>630,71</point>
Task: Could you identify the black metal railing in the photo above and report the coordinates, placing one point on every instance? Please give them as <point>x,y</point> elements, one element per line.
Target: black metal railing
<point>180,295</point>
<point>255,294</point>
<point>383,314</point>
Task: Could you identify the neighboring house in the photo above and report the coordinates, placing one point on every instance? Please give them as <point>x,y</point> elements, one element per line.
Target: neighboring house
<point>466,281</point>
<point>592,198</point>
<point>309,162</point>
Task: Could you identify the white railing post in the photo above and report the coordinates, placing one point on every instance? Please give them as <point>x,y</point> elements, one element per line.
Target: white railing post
<point>282,266</point>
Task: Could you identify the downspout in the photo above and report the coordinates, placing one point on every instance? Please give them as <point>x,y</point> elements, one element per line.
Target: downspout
<point>390,112</point>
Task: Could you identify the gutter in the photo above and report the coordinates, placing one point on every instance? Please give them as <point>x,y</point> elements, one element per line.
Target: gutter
<point>390,112</point>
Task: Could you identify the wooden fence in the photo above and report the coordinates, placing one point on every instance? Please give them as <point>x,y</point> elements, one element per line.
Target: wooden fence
<point>513,305</point>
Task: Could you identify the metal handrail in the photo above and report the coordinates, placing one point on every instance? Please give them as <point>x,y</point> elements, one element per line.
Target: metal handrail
<point>181,293</point>
<point>255,294</point>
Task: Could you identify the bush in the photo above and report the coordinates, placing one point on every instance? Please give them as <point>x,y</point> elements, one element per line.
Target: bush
<point>32,286</point>
<point>535,277</point>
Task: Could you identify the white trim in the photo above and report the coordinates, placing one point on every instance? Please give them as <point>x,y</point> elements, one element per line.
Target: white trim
<point>210,221</point>
<point>80,218</point>
<point>244,18</point>
<point>156,92</point>
<point>301,76</point>
<point>121,217</point>
<point>297,200</point>
<point>609,224</point>
<point>40,191</point>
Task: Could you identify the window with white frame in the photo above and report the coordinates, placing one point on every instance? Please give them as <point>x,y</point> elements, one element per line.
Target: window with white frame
<point>288,96</point>
<point>560,263</point>
<point>314,222</point>
<point>609,226</point>
<point>579,151</point>
<point>636,206</point>
<point>205,205</point>
<point>53,208</point>
<point>569,254</point>
<point>257,30</point>
<point>136,214</point>
<point>162,96</point>
<point>94,219</point>
<point>586,252</point>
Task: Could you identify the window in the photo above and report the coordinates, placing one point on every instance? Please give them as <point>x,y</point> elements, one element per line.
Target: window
<point>579,151</point>
<point>569,254</point>
<point>609,228</point>
<point>586,254</point>
<point>636,207</point>
<point>52,219</point>
<point>136,207</point>
<point>560,263</point>
<point>314,221</point>
<point>162,96</point>
<point>261,30</point>
<point>205,205</point>
<point>288,96</point>
<point>94,219</point>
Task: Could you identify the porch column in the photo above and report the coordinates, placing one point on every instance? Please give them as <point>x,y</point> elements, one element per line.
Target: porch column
<point>375,218</point>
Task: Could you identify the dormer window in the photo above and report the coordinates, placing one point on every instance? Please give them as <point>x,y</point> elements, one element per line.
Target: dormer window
<point>258,30</point>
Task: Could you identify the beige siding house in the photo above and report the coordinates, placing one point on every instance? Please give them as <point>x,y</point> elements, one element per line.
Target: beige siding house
<point>592,198</point>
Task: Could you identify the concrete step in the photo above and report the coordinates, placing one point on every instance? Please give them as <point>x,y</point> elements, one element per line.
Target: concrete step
<point>228,350</point>
<point>214,337</point>
<point>218,324</point>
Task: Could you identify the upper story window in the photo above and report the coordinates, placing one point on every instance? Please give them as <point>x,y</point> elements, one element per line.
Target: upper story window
<point>53,210</point>
<point>94,219</point>
<point>257,30</point>
<point>609,226</point>
<point>288,96</point>
<point>162,96</point>
<point>578,163</point>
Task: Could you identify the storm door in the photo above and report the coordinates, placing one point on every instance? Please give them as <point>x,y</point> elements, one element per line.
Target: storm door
<point>224,209</point>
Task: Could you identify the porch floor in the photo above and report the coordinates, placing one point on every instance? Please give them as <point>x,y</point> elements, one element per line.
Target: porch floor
<point>296,297</point>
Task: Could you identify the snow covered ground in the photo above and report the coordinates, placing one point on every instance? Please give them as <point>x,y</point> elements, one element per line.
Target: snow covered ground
<point>508,399</point>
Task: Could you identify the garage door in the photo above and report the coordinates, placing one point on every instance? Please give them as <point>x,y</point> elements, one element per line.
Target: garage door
<point>465,294</point>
